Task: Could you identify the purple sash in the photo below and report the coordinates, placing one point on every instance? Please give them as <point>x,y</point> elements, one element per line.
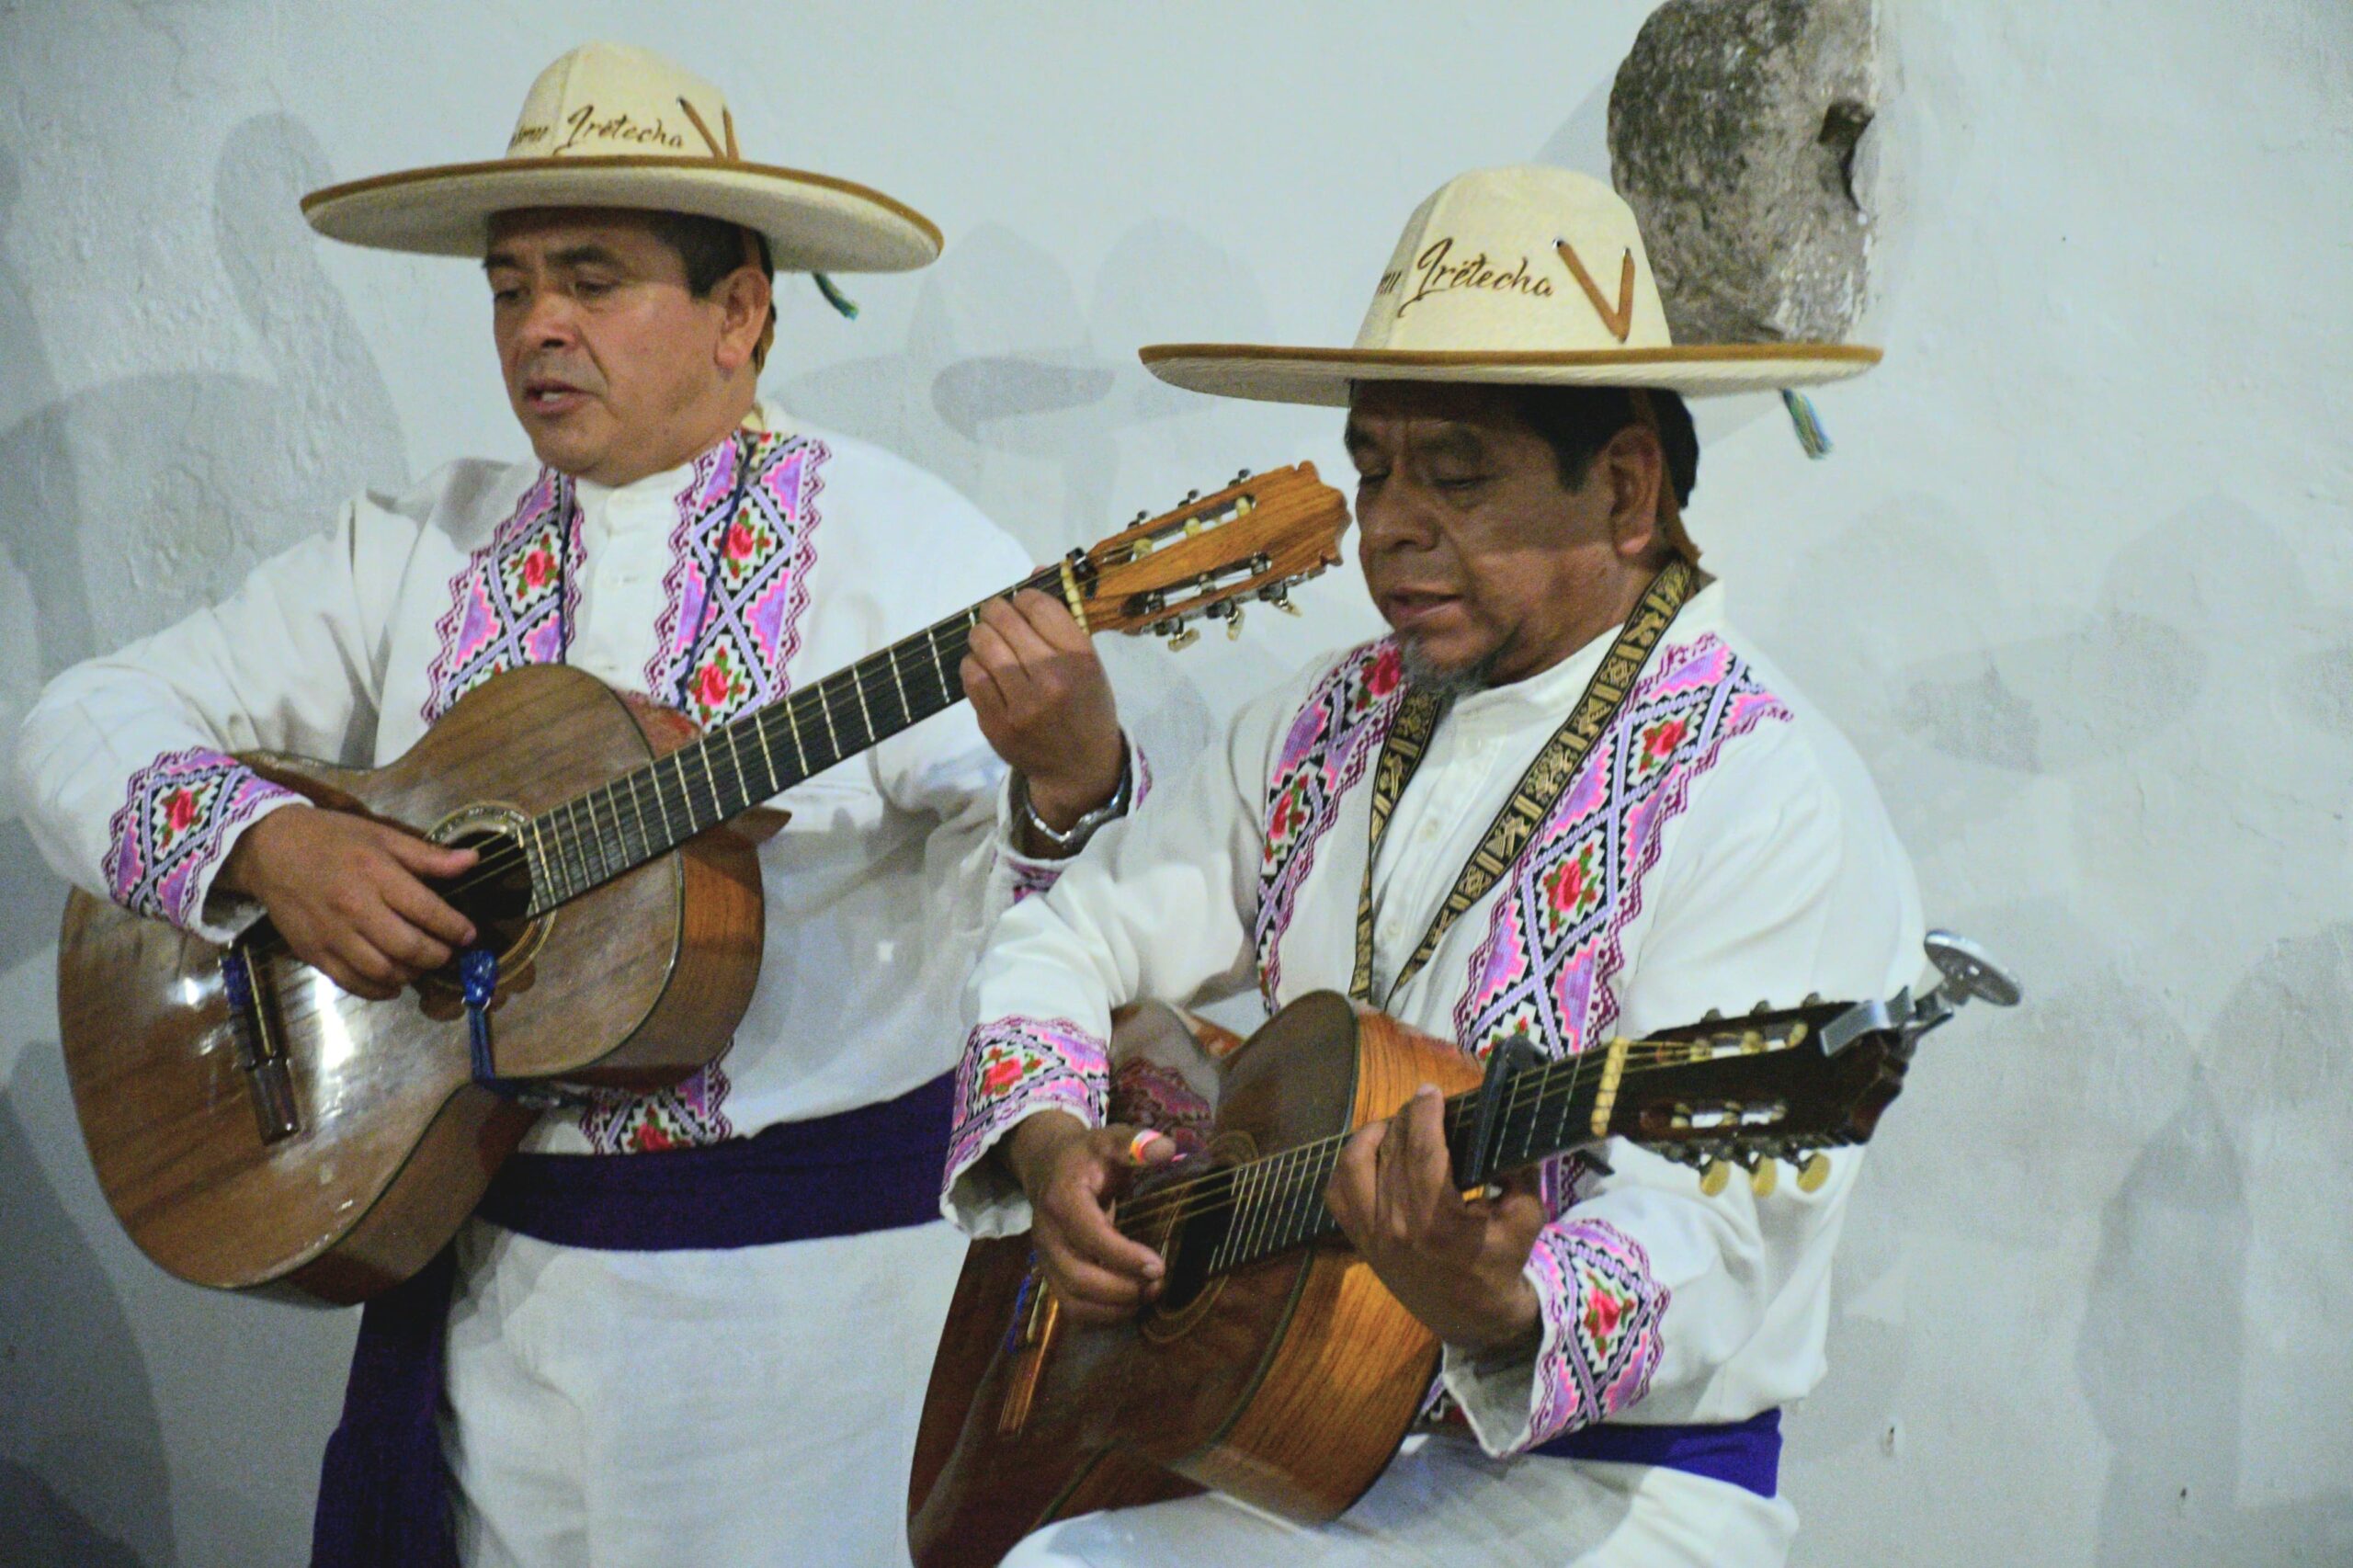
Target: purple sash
<point>1747,1454</point>
<point>384,1495</point>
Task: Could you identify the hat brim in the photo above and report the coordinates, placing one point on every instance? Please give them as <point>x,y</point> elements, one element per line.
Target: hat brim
<point>1322,376</point>
<point>812,222</point>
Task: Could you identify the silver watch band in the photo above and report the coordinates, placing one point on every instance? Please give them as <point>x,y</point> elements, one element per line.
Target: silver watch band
<point>1079,832</point>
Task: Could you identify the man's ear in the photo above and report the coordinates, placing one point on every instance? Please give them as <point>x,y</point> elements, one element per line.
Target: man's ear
<point>1634,465</point>
<point>744,299</point>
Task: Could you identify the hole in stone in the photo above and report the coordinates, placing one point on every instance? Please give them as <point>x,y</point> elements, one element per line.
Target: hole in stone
<point>1842,131</point>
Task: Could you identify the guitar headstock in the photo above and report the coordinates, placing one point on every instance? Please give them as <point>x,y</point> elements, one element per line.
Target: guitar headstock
<point>1786,1083</point>
<point>1253,539</point>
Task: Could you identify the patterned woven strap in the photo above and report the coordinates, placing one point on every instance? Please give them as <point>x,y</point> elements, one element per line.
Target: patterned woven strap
<point>1539,789</point>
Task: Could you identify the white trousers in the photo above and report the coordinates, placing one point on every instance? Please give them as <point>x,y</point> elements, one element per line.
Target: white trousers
<point>720,1409</point>
<point>1443,1502</point>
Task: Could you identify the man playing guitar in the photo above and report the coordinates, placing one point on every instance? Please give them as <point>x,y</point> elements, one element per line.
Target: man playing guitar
<point>1565,799</point>
<point>712,1402</point>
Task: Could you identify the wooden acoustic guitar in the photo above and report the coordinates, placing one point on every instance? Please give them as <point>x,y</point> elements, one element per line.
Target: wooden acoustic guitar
<point>1274,1366</point>
<point>255,1127</point>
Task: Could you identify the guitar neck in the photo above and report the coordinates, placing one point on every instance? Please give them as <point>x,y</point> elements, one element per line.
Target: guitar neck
<point>1276,1203</point>
<point>596,836</point>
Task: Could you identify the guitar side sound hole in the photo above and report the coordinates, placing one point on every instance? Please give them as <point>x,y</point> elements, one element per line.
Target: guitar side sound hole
<point>1188,1248</point>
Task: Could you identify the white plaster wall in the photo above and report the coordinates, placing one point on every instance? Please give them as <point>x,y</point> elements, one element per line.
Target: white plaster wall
<point>2076,584</point>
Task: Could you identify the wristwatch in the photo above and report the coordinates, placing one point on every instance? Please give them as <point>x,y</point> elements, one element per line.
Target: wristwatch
<point>1070,840</point>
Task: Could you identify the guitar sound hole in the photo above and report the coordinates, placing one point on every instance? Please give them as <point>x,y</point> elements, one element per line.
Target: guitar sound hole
<point>496,895</point>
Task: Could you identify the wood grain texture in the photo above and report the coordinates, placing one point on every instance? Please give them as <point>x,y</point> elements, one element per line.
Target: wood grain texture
<point>1289,1382</point>
<point>633,986</point>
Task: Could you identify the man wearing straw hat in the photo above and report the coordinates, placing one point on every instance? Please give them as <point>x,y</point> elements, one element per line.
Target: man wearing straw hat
<point>1600,810</point>
<point>724,1369</point>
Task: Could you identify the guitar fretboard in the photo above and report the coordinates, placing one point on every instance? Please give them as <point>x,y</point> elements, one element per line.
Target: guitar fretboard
<point>594,836</point>
<point>1276,1203</point>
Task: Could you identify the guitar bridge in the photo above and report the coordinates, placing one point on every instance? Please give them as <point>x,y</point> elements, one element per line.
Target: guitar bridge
<point>261,1054</point>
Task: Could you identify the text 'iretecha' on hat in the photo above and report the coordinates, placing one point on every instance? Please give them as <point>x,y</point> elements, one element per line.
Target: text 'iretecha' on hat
<point>611,126</point>
<point>1523,276</point>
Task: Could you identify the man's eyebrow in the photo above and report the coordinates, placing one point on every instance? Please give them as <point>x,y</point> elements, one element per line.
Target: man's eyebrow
<point>1459,443</point>
<point>589,255</point>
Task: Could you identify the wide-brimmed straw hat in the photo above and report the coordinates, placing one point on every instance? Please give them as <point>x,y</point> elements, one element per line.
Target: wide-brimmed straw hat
<point>608,125</point>
<point>1523,276</point>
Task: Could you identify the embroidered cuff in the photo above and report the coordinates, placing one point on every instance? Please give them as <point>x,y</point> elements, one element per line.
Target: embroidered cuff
<point>1014,1068</point>
<point>1600,1310</point>
<point>1029,875</point>
<point>181,816</point>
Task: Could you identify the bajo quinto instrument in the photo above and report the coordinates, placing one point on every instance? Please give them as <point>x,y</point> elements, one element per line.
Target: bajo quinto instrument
<point>255,1127</point>
<point>1274,1366</point>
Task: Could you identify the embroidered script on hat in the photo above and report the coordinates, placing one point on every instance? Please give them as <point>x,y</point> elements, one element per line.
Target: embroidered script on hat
<point>1436,275</point>
<point>581,123</point>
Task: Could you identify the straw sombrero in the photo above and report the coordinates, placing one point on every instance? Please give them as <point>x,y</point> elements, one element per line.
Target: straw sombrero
<point>611,126</point>
<point>1523,276</point>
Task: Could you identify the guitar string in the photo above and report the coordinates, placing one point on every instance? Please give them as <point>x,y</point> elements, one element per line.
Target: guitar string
<point>866,685</point>
<point>1208,1191</point>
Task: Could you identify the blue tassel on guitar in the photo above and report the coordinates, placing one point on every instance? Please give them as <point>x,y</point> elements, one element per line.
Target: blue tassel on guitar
<point>478,972</point>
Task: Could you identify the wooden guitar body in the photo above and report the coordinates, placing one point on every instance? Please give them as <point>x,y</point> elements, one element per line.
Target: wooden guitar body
<point>632,985</point>
<point>1288,1382</point>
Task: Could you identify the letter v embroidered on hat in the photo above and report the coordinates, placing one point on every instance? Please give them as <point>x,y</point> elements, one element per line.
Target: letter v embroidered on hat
<point>1619,321</point>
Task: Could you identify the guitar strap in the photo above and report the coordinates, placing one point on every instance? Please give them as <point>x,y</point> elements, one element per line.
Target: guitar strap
<point>1539,789</point>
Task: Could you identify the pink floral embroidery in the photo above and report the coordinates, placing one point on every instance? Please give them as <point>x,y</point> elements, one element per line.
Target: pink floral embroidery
<point>1015,1067</point>
<point>1337,734</point>
<point>738,583</point>
<point>685,1116</point>
<point>173,826</point>
<point>1601,1310</point>
<point>509,603</point>
<point>1552,954</point>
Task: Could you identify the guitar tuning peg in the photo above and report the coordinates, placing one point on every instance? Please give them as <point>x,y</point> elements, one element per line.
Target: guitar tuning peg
<point>1760,1008</point>
<point>1232,621</point>
<point>1712,1015</point>
<point>1240,474</point>
<point>1140,514</point>
<point>1764,1178</point>
<point>1812,999</point>
<point>1716,1177</point>
<point>1184,639</point>
<point>1815,1172</point>
<point>1752,1043</point>
<point>1190,496</point>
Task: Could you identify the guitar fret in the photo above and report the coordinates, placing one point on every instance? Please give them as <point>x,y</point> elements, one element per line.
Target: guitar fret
<point>568,834</point>
<point>597,833</point>
<point>761,729</point>
<point>858,685</point>
<point>793,724</point>
<point>543,880</point>
<point>825,709</point>
<point>710,780</point>
<point>644,838</point>
<point>743,792</point>
<point>931,641</point>
<point>906,708</point>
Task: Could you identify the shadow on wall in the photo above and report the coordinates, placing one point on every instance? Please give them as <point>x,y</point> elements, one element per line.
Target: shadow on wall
<point>75,1403</point>
<point>1032,393</point>
<point>129,503</point>
<point>2165,1354</point>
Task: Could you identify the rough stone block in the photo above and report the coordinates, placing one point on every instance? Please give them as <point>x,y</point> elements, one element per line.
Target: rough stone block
<point>1735,127</point>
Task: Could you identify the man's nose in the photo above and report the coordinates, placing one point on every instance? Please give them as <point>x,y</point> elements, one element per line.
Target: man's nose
<point>548,322</point>
<point>1394,518</point>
